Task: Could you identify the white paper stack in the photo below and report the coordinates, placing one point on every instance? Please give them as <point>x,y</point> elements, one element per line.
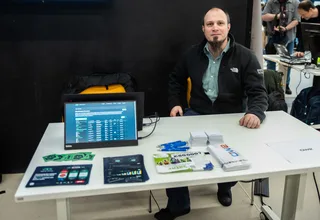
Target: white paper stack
<point>230,159</point>
<point>198,139</point>
<point>215,137</point>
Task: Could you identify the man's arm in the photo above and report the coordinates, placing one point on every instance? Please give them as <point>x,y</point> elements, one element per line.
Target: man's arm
<point>295,18</point>
<point>254,86</point>
<point>266,14</point>
<point>177,79</point>
<point>291,25</point>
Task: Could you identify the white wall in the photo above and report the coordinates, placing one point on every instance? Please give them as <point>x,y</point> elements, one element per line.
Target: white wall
<point>256,33</point>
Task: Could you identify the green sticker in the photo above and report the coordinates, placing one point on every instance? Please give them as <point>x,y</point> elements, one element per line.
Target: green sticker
<point>69,157</point>
<point>318,61</point>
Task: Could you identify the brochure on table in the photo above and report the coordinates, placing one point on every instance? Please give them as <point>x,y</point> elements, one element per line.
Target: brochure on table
<point>60,175</point>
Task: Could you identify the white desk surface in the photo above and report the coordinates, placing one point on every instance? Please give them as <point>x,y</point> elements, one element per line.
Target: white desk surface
<point>276,58</point>
<point>278,126</point>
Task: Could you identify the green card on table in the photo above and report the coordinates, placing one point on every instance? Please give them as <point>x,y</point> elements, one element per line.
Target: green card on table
<point>69,157</point>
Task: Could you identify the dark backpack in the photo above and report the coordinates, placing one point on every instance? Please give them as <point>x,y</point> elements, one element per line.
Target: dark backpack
<point>276,100</point>
<point>78,84</point>
<point>306,106</point>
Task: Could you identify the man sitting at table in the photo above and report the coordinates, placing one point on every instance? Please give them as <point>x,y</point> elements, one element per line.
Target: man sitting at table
<point>226,78</point>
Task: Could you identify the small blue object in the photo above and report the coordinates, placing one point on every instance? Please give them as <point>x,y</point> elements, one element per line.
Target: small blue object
<point>175,149</point>
<point>209,166</point>
<point>174,144</point>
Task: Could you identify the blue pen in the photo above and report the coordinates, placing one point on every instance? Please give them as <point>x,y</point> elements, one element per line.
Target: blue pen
<point>175,149</point>
<point>174,144</point>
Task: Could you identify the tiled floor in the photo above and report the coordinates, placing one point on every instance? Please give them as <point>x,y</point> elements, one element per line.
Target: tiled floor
<point>133,206</point>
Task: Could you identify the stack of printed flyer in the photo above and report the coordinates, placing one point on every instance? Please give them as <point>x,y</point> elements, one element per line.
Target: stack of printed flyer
<point>198,139</point>
<point>229,159</point>
<point>181,162</point>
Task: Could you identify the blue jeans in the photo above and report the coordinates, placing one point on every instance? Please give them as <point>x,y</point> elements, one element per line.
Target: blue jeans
<point>272,65</point>
<point>178,198</point>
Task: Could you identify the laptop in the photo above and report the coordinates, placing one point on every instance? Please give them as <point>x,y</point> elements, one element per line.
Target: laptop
<point>99,124</point>
<point>286,57</point>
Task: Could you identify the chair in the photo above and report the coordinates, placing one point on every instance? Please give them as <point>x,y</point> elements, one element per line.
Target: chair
<point>189,86</point>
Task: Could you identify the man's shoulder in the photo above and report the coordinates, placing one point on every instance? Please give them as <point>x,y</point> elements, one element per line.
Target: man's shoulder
<point>196,46</point>
<point>242,48</point>
<point>244,54</point>
<point>296,2</point>
<point>194,49</point>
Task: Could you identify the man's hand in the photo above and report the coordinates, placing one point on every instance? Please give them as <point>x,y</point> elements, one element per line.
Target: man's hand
<point>250,121</point>
<point>175,110</point>
<point>280,28</point>
<point>298,54</point>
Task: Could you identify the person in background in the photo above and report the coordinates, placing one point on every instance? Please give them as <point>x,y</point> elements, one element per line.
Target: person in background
<point>226,77</point>
<point>262,5</point>
<point>264,29</point>
<point>309,13</point>
<point>282,18</point>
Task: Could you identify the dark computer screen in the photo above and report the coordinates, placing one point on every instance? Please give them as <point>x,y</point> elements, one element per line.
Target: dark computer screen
<point>100,124</point>
<point>311,40</point>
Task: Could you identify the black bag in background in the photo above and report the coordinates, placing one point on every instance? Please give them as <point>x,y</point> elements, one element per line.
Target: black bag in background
<point>277,102</point>
<point>306,106</point>
<point>79,83</point>
<point>276,97</point>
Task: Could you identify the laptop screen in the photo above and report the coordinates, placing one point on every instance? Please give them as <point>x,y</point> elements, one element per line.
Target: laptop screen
<point>100,124</point>
<point>282,50</point>
<point>127,96</point>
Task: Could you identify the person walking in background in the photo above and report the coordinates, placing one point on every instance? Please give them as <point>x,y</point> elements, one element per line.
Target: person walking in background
<point>282,18</point>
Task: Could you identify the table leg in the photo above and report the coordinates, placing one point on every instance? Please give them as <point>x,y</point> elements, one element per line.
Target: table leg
<point>63,211</point>
<point>252,192</point>
<point>150,205</point>
<point>267,211</point>
<point>293,196</point>
<point>284,69</point>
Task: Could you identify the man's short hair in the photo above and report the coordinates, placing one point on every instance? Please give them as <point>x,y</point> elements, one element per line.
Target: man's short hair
<point>306,5</point>
<point>227,14</point>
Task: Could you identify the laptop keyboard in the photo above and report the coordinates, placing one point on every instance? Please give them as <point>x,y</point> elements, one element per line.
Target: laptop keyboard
<point>295,61</point>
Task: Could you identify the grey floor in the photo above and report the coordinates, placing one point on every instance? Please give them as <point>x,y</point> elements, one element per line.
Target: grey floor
<point>133,206</point>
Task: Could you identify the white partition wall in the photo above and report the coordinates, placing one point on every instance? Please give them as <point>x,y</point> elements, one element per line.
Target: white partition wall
<point>256,32</point>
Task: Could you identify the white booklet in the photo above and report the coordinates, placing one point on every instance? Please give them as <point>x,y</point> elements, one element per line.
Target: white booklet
<point>302,151</point>
<point>181,162</point>
<point>229,159</point>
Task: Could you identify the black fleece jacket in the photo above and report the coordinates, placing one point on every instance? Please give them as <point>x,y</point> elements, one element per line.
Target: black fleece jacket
<point>240,82</point>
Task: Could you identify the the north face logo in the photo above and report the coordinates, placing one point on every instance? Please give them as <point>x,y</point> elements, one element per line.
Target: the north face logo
<point>234,70</point>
